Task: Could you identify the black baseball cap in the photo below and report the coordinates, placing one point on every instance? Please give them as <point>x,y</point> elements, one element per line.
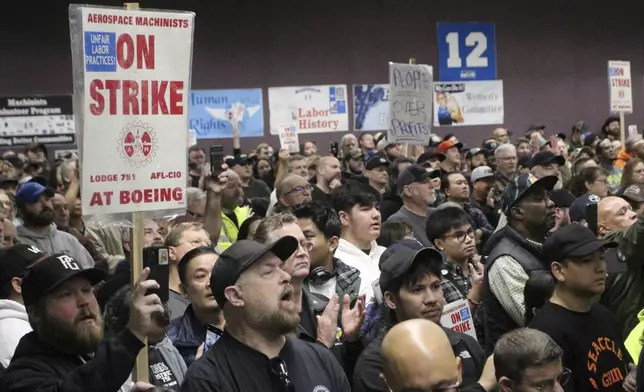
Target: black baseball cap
<point>536,127</point>
<point>634,193</point>
<point>546,158</point>
<point>399,262</point>
<point>578,207</point>
<point>415,173</point>
<point>573,241</point>
<point>429,155</point>
<point>562,198</point>
<point>491,145</point>
<point>241,255</point>
<point>515,190</point>
<point>50,272</point>
<point>376,161</point>
<point>15,260</point>
<point>238,160</point>
<point>477,151</point>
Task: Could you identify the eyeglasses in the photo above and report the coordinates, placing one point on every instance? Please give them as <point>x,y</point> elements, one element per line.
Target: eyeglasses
<point>548,386</point>
<point>300,189</point>
<point>280,372</point>
<point>461,235</point>
<point>306,245</point>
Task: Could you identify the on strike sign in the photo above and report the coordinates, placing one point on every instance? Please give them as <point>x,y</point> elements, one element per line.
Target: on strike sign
<point>131,79</point>
<point>458,317</point>
<point>619,84</point>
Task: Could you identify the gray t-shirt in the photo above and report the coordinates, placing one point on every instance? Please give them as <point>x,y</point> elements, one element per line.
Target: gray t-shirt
<point>416,222</point>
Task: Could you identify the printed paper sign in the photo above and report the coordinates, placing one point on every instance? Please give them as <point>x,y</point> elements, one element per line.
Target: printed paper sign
<point>468,103</point>
<point>458,317</point>
<point>133,85</point>
<point>410,103</point>
<point>65,154</point>
<point>632,130</point>
<point>288,138</point>
<point>313,109</point>
<point>213,113</point>
<point>45,119</point>
<point>619,84</point>
<point>371,107</point>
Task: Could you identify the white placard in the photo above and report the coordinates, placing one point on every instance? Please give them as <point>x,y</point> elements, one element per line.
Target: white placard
<point>632,130</point>
<point>410,103</point>
<point>468,103</point>
<point>458,317</point>
<point>313,109</point>
<point>619,84</point>
<point>288,138</point>
<point>132,80</point>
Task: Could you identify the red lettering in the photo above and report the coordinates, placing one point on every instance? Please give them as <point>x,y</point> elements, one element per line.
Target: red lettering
<point>145,51</point>
<point>158,97</point>
<point>151,195</point>
<point>137,98</point>
<point>456,317</point>
<point>97,198</point>
<point>125,51</point>
<point>130,92</point>
<point>98,106</point>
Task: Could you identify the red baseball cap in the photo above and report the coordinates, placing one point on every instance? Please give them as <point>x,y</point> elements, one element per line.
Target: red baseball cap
<point>447,144</point>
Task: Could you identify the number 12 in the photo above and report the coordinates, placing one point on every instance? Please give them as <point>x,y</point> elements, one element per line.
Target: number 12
<point>474,59</point>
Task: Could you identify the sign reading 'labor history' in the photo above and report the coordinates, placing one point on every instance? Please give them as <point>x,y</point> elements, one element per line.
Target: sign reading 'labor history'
<point>132,81</point>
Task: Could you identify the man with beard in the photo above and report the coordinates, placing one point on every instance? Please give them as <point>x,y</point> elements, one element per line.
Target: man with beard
<point>34,204</point>
<point>482,196</point>
<point>327,178</point>
<point>196,161</point>
<point>516,253</point>
<point>232,212</point>
<point>417,193</point>
<point>253,288</point>
<point>476,157</point>
<point>66,350</point>
<point>353,165</point>
<point>606,155</point>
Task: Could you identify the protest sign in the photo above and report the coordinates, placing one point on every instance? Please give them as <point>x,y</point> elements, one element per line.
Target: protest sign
<point>458,317</point>
<point>468,103</point>
<point>619,83</point>
<point>632,130</point>
<point>313,109</point>
<point>371,107</point>
<point>288,138</point>
<point>131,81</point>
<point>211,113</point>
<point>410,103</point>
<point>45,119</point>
<point>65,154</point>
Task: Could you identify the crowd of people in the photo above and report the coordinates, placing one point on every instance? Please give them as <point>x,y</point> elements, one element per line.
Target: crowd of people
<point>330,271</point>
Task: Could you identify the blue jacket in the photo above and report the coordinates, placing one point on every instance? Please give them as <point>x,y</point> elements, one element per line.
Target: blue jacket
<point>187,334</point>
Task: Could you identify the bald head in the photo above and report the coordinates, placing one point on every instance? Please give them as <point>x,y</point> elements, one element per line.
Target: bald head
<point>327,161</point>
<point>410,349</point>
<point>614,213</point>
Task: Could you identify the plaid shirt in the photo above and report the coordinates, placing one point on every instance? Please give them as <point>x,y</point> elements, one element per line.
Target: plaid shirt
<point>455,285</point>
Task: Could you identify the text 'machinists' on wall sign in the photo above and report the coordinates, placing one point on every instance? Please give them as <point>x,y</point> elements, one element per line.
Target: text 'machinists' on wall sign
<point>45,119</point>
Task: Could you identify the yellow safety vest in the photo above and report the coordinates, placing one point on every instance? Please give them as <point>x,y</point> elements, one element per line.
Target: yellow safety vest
<point>229,231</point>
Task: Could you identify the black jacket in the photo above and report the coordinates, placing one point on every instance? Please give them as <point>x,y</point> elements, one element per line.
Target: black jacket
<point>366,376</point>
<point>36,366</point>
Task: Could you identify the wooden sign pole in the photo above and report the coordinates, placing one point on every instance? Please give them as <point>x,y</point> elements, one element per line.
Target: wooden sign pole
<point>141,368</point>
<point>412,61</point>
<point>622,129</point>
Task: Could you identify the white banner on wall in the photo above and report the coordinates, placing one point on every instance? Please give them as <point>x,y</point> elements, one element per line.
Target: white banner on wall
<point>468,103</point>
<point>313,109</point>
<point>619,84</point>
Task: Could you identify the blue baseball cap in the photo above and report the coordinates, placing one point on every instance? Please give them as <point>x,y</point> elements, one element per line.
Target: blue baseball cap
<point>30,192</point>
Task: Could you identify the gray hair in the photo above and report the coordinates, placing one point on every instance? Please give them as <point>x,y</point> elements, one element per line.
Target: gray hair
<point>522,348</point>
<point>194,195</point>
<point>270,224</point>
<point>507,147</point>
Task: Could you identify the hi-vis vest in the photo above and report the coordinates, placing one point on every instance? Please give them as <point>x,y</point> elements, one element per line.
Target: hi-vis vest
<point>229,230</point>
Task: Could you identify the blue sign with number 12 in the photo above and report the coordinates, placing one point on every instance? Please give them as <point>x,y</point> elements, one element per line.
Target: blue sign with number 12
<point>466,51</point>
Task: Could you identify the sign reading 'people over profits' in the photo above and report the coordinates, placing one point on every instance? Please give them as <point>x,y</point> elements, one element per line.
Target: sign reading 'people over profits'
<point>410,103</point>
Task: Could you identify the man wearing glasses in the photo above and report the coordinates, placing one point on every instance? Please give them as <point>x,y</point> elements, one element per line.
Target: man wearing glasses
<point>529,360</point>
<point>588,334</point>
<point>292,191</point>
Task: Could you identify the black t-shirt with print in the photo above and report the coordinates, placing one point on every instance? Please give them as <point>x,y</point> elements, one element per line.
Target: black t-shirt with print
<point>593,346</point>
<point>160,373</point>
<point>231,366</point>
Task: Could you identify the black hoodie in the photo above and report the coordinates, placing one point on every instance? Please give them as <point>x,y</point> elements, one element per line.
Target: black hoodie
<point>36,366</point>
